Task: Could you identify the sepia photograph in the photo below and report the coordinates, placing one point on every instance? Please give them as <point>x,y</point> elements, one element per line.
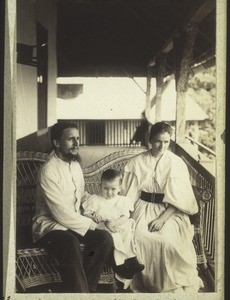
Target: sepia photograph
<point>115,128</point>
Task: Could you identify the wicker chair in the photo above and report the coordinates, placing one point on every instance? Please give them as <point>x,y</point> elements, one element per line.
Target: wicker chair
<point>34,267</point>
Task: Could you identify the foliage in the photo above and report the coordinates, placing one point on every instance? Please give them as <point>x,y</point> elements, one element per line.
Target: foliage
<point>202,87</point>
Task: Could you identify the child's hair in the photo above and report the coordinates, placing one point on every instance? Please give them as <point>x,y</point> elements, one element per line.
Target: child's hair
<point>111,174</point>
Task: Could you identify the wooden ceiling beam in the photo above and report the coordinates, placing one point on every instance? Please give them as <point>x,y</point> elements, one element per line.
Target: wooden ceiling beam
<point>208,7</point>
<point>196,17</point>
<point>128,75</point>
<point>203,11</point>
<point>134,13</point>
<point>145,9</point>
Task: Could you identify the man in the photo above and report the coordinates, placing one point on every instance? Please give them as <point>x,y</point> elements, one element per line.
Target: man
<point>58,224</point>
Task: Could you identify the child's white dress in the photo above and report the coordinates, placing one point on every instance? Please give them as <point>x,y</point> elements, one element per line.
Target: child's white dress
<point>112,209</point>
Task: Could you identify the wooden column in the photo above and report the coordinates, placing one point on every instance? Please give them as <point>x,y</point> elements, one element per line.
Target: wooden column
<point>183,48</point>
<point>160,84</point>
<point>148,90</point>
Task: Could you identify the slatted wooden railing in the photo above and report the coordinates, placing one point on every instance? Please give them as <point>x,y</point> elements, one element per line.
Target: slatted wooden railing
<point>200,177</point>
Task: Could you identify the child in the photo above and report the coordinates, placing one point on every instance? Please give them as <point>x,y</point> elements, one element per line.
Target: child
<point>112,212</point>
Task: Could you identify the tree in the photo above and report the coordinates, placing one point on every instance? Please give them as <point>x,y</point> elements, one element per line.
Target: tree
<point>202,87</point>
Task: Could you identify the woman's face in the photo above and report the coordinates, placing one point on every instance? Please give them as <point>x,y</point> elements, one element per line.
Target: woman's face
<point>160,144</point>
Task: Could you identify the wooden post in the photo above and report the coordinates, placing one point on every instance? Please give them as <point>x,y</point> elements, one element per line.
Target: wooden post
<point>160,84</point>
<point>183,55</point>
<point>148,90</point>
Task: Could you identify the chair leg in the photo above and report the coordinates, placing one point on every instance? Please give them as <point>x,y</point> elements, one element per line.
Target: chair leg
<point>207,277</point>
<point>114,286</point>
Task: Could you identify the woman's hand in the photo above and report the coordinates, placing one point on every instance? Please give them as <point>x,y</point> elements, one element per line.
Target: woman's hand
<point>156,224</point>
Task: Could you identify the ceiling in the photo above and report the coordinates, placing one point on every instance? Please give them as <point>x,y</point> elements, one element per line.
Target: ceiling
<point>121,37</point>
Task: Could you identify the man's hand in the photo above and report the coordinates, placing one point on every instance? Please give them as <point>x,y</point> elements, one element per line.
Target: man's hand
<point>111,223</point>
<point>111,226</point>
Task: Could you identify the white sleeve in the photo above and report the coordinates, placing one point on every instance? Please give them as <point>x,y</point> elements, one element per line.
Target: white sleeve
<point>130,186</point>
<point>90,205</point>
<point>59,209</point>
<point>178,190</point>
<point>85,196</point>
<point>179,193</point>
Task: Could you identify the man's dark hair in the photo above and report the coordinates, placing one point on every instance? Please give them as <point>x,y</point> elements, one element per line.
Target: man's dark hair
<point>111,174</point>
<point>160,127</point>
<point>57,129</point>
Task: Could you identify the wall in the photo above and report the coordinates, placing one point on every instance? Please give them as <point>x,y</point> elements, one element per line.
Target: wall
<point>28,13</point>
<point>116,132</point>
<point>45,11</point>
<point>120,132</point>
<point>33,142</point>
<point>26,102</point>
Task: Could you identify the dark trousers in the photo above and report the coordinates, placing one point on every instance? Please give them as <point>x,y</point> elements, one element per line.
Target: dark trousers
<point>80,271</point>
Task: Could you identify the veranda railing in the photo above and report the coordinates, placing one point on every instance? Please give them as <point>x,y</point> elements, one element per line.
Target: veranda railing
<point>200,177</point>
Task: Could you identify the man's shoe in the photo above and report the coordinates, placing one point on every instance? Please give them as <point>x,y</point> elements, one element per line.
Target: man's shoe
<point>129,268</point>
<point>133,265</point>
<point>120,288</point>
<point>123,271</point>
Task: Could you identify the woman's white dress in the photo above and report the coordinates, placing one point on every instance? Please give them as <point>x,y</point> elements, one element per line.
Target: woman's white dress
<point>112,209</point>
<point>168,254</point>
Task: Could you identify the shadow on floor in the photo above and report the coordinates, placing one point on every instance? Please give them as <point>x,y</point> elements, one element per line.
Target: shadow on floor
<point>205,275</point>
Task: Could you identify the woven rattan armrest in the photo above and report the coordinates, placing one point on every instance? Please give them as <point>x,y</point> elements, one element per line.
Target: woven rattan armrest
<point>34,267</point>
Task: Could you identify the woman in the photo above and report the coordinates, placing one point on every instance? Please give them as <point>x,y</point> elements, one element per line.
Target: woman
<point>158,181</point>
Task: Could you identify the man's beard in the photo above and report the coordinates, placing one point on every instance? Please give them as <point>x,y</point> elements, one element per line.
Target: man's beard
<point>75,157</point>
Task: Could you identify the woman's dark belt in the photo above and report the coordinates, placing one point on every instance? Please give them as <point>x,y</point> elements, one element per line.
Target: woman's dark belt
<point>152,197</point>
